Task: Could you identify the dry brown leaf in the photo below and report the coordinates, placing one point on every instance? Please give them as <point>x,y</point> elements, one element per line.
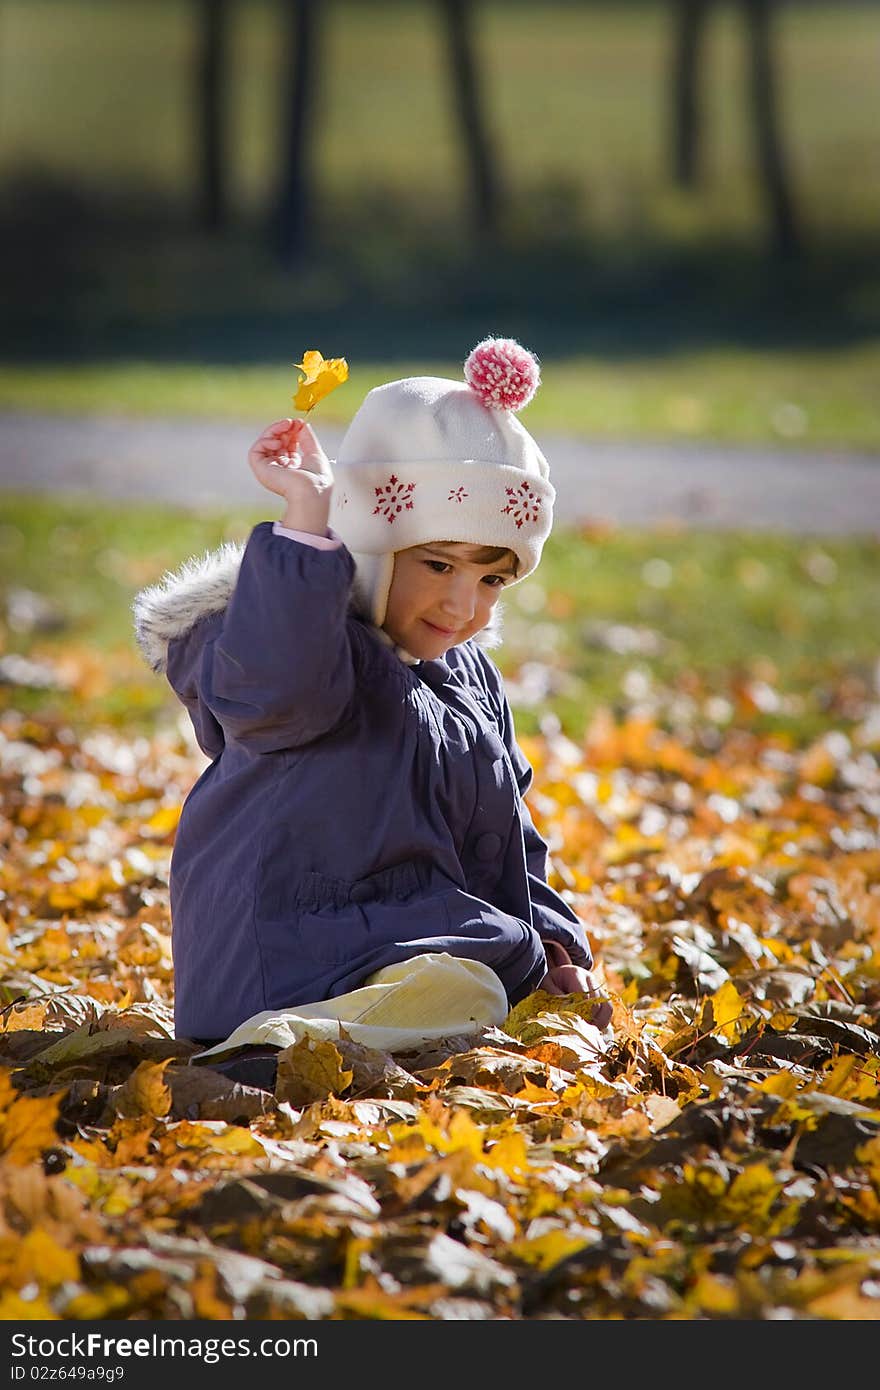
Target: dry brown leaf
<point>311,1070</point>
<point>144,1093</point>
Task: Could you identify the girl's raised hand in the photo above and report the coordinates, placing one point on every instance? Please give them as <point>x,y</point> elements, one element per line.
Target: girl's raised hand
<point>287,459</point>
<point>287,456</point>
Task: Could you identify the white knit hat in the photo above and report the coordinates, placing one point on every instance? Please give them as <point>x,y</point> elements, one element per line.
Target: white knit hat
<point>428,459</point>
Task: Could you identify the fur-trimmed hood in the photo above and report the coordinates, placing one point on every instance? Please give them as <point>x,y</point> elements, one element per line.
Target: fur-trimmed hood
<point>201,587</point>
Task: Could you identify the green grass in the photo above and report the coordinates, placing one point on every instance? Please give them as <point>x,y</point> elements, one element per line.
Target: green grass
<point>656,313</point>
<point>798,399</point>
<point>696,629</point>
<point>88,561</point>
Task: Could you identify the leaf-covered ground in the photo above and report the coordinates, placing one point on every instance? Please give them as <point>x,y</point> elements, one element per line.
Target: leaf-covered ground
<point>714,1154</point>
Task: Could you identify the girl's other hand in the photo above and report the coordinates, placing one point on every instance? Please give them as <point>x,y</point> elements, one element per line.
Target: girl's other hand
<point>564,977</point>
<point>573,979</point>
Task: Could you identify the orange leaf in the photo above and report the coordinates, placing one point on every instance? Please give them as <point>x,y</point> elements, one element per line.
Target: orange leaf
<point>310,1070</point>
<point>40,1258</point>
<point>145,1092</point>
<point>14,1308</point>
<point>28,1124</point>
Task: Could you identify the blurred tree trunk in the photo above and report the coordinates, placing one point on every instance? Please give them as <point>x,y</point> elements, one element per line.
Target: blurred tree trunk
<point>467,98</point>
<point>212,64</point>
<point>768,140</point>
<point>690,27</point>
<point>690,18</point>
<point>295,200</point>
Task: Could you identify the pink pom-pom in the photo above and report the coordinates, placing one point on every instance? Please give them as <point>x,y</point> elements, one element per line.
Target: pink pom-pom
<point>504,374</point>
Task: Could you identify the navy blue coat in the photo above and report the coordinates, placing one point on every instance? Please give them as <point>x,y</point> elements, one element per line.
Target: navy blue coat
<point>357,810</point>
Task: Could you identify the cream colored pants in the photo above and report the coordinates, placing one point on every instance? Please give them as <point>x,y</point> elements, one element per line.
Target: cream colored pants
<point>400,1007</point>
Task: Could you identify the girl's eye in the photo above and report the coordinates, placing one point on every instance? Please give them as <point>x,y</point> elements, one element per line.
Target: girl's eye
<point>438,566</point>
<point>496,581</point>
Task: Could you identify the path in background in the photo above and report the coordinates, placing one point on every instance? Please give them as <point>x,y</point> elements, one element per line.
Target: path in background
<point>202,464</point>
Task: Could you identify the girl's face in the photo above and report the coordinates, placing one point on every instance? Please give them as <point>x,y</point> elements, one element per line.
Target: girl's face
<point>441,595</point>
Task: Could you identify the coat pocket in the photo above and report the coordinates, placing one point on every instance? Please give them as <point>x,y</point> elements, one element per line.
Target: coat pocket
<point>334,920</point>
<point>316,892</point>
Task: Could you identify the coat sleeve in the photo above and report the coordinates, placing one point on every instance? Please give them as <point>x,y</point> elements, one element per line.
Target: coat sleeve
<point>184,662</point>
<point>554,920</point>
<point>276,669</point>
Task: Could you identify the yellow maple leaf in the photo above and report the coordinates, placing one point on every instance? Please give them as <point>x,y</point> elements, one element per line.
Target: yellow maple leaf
<point>727,1005</point>
<point>211,1135</point>
<point>510,1155</point>
<point>310,1070</point>
<point>526,1020</point>
<point>321,375</point>
<point>780,1083</point>
<point>714,1294</point>
<point>846,1077</point>
<point>546,1250</point>
<point>28,1125</point>
<point>14,1308</point>
<point>750,1197</point>
<point>414,1139</point>
<point>120,1199</point>
<point>145,1092</point>
<point>41,1258</point>
<point>104,1302</point>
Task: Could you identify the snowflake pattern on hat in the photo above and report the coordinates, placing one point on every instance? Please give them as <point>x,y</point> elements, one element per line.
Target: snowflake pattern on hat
<point>457,494</point>
<point>523,504</point>
<point>393,498</point>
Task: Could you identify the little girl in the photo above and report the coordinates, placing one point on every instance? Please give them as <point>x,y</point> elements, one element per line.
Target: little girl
<point>363,805</point>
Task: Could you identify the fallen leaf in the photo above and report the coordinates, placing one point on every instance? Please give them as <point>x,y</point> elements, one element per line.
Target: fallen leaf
<point>310,1070</point>
<point>27,1125</point>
